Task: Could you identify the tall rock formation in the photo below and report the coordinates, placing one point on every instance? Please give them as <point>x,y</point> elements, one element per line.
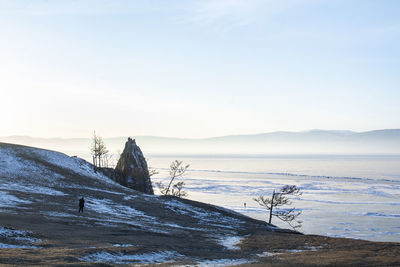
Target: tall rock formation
<point>132,169</point>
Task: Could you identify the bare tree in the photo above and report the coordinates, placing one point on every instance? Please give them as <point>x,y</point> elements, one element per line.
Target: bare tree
<point>176,169</point>
<point>281,199</point>
<point>152,171</point>
<point>99,150</point>
<point>177,190</point>
<point>108,160</point>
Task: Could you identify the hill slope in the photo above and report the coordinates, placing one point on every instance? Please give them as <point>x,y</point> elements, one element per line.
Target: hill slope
<point>40,191</point>
<point>40,224</point>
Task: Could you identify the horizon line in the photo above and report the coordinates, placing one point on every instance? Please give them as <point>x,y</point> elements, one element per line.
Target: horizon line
<point>211,137</point>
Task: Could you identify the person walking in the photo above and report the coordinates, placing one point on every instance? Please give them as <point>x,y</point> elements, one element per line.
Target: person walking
<point>81,204</point>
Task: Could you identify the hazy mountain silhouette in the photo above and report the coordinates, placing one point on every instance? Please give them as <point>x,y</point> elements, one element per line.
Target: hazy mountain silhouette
<point>307,142</point>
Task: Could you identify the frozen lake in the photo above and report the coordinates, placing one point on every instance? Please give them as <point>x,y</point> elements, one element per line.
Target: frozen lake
<point>347,196</point>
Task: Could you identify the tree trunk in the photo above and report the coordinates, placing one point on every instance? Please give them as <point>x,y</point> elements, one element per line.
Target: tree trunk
<point>94,162</point>
<point>272,205</point>
<point>169,185</point>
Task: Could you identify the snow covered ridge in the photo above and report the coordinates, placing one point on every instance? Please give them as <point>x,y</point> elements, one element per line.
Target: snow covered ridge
<point>73,164</point>
<point>51,166</point>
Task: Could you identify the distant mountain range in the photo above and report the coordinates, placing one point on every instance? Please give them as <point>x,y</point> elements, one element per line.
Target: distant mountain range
<point>308,142</point>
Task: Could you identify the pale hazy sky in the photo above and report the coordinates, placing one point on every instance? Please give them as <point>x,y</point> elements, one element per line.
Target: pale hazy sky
<point>197,68</point>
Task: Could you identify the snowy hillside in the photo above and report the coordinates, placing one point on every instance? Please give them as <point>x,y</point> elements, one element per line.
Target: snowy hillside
<point>39,209</point>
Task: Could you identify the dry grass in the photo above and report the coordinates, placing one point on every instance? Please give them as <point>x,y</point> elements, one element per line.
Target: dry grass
<point>321,251</point>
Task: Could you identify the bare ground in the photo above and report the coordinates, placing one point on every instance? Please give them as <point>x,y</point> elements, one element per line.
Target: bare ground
<point>66,243</point>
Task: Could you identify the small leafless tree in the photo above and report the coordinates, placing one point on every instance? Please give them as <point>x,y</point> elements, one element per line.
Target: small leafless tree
<point>176,170</point>
<point>99,150</point>
<point>281,199</point>
<point>108,160</point>
<point>177,190</point>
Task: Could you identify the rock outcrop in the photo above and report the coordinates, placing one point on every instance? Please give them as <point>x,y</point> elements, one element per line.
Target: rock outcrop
<point>132,169</point>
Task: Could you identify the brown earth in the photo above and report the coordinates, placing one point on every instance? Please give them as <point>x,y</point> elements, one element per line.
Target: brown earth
<point>320,251</point>
<point>65,244</point>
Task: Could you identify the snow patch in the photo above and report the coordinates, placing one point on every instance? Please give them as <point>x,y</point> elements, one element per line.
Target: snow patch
<point>230,242</point>
<point>205,216</point>
<point>122,245</point>
<point>109,207</point>
<point>268,254</point>
<point>223,262</point>
<point>95,189</point>
<point>18,236</point>
<point>174,225</point>
<point>295,250</point>
<point>2,245</point>
<point>119,258</point>
<point>7,200</point>
<point>129,197</point>
<point>30,188</point>
<point>57,214</point>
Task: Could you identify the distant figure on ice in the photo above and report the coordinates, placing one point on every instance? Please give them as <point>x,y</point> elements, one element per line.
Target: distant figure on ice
<point>244,204</point>
<point>81,204</point>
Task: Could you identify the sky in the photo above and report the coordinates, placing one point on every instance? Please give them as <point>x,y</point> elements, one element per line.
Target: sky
<point>197,68</point>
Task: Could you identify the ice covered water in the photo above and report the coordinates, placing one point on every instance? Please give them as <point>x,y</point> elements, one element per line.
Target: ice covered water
<point>349,196</point>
